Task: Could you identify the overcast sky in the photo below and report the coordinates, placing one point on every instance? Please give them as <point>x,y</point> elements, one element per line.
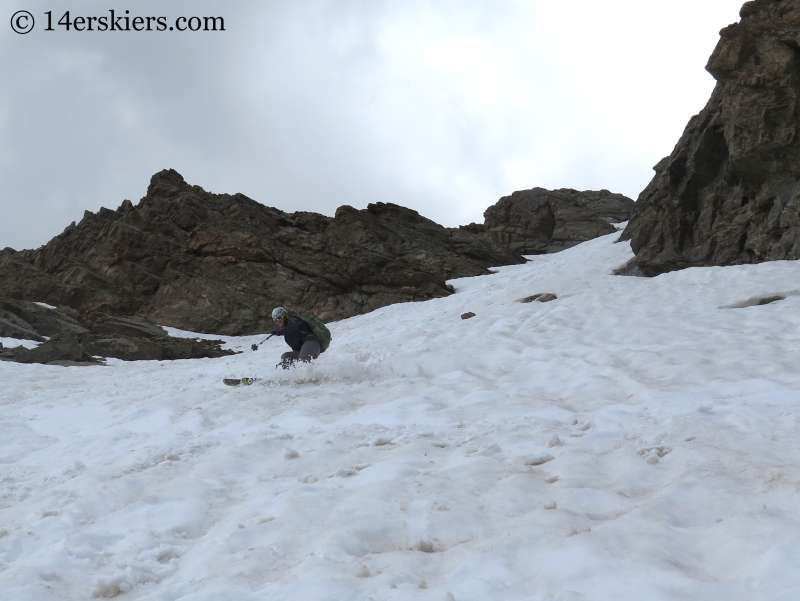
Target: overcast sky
<point>439,106</point>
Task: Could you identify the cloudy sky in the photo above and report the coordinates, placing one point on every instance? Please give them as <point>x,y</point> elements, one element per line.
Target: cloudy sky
<point>307,105</point>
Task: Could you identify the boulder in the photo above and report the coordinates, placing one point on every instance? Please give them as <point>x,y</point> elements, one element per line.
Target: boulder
<point>12,326</point>
<point>539,221</point>
<point>9,353</point>
<point>57,349</point>
<point>219,263</point>
<point>43,320</point>
<point>729,192</point>
<point>160,349</point>
<point>542,297</point>
<point>127,349</point>
<point>120,327</point>
<point>66,341</point>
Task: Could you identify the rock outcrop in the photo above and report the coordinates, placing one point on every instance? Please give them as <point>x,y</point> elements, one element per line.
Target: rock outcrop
<point>219,263</point>
<point>730,191</point>
<point>66,339</point>
<point>539,221</point>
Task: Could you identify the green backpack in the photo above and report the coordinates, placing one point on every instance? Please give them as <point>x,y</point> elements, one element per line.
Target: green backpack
<point>318,331</point>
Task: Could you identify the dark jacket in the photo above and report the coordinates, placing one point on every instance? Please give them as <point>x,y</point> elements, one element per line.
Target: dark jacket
<point>295,332</point>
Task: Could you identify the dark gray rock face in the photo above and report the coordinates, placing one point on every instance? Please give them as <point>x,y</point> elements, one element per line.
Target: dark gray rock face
<point>730,191</point>
<point>539,221</point>
<point>11,326</point>
<point>41,320</point>
<point>219,263</point>
<point>58,349</point>
<point>65,340</point>
<point>129,348</point>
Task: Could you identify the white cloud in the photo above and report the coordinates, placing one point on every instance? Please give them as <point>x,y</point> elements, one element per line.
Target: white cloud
<point>309,105</point>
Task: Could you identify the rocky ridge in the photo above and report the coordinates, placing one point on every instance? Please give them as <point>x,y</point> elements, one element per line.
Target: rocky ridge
<point>540,221</point>
<point>730,191</point>
<point>218,263</point>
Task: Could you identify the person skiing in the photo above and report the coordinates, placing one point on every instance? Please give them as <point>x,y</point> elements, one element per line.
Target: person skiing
<point>297,335</point>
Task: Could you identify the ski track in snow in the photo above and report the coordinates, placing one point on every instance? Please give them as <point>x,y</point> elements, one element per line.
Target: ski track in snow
<point>633,439</point>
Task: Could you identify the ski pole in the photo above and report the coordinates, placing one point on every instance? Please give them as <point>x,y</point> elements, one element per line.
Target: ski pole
<point>255,346</point>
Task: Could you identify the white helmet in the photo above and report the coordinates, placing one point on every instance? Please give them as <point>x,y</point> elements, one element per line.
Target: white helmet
<point>279,312</point>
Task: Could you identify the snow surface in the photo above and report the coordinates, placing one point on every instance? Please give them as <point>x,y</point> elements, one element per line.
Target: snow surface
<point>637,438</point>
<point>14,342</point>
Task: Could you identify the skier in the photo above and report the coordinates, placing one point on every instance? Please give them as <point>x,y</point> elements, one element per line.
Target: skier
<point>298,335</point>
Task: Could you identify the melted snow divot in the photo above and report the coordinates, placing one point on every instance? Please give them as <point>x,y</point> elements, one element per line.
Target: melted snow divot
<point>759,300</point>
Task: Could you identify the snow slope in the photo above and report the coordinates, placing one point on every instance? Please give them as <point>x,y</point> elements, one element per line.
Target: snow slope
<point>634,439</point>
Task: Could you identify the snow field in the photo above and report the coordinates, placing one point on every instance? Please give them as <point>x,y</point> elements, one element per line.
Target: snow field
<point>637,438</point>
